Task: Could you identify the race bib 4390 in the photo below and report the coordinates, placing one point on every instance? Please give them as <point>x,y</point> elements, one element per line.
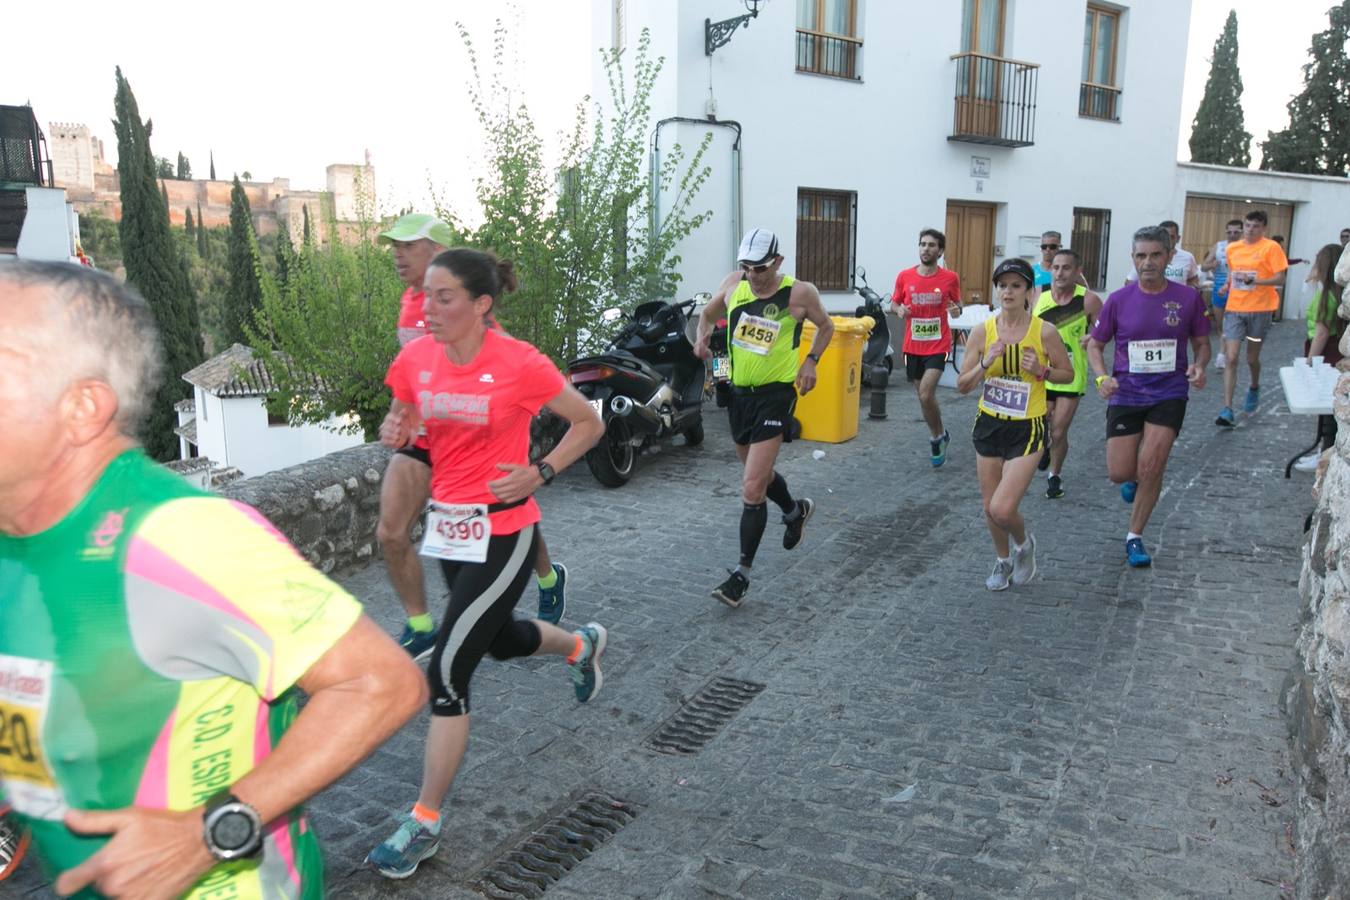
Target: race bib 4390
<point>459,533</point>
<point>25,697</point>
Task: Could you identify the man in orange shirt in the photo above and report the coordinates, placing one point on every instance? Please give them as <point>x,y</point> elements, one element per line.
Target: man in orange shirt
<point>1256,265</point>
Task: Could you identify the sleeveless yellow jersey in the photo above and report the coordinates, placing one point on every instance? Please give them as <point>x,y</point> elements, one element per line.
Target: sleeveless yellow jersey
<point>762,336</point>
<point>1008,392</point>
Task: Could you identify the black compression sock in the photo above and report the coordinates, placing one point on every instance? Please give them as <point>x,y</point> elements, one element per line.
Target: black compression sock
<point>779,494</point>
<point>754,518</point>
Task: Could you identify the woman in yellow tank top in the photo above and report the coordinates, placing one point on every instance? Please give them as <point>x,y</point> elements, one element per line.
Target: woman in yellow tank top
<point>1018,354</point>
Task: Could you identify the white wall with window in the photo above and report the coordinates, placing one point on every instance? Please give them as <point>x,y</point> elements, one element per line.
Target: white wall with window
<point>1035,110</point>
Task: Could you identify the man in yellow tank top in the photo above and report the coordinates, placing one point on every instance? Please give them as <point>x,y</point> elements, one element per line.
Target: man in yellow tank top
<point>1018,354</point>
<point>764,311</point>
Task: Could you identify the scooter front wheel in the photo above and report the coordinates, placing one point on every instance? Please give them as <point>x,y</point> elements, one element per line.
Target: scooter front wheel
<point>613,459</point>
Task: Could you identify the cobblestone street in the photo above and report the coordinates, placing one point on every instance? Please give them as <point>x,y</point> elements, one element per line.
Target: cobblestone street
<point>1102,732</point>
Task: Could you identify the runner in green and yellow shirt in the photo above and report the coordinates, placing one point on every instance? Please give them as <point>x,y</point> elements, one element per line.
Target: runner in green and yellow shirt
<point>1072,309</point>
<point>150,634</point>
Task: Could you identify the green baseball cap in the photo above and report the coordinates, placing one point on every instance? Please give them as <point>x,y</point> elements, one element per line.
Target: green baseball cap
<point>416,226</point>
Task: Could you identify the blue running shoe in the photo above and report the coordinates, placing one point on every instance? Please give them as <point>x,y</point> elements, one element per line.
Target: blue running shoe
<point>939,448</point>
<point>585,672</point>
<point>1127,491</point>
<point>1249,402</point>
<point>410,844</point>
<point>551,600</point>
<point>419,644</point>
<point>1136,555</point>
<point>1226,419</point>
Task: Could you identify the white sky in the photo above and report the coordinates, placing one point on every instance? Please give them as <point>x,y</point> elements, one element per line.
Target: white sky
<point>280,90</point>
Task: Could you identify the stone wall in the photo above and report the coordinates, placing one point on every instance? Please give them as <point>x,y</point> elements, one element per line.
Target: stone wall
<point>327,507</point>
<point>1316,699</point>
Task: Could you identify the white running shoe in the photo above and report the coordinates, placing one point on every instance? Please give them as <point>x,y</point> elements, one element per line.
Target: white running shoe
<point>1024,561</point>
<point>1308,463</point>
<point>1220,361</point>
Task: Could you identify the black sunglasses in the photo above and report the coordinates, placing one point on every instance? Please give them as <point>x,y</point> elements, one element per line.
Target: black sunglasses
<point>1049,246</point>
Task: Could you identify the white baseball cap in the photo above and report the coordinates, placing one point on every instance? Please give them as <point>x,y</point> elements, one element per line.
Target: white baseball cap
<point>757,247</point>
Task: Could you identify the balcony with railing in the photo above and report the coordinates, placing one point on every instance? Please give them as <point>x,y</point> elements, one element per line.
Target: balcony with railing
<point>995,100</point>
<point>835,55</point>
<point>23,156</point>
<point>1099,101</point>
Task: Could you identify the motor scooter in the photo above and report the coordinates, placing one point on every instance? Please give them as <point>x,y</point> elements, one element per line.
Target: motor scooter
<point>878,350</point>
<point>647,385</point>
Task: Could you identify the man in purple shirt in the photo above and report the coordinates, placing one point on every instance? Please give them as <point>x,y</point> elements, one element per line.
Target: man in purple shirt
<point>1151,321</point>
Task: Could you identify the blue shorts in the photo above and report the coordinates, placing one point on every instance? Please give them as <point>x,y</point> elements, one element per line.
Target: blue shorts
<point>1220,300</point>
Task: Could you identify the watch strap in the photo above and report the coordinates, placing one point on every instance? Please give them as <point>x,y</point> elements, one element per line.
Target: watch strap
<point>546,472</point>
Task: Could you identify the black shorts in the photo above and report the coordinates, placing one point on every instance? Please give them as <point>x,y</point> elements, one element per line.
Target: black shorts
<point>478,618</point>
<point>916,365</point>
<point>1052,396</point>
<point>1122,421</point>
<point>421,454</point>
<point>762,413</point>
<point>1008,438</point>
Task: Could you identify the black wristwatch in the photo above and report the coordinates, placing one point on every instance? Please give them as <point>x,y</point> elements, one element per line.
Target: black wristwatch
<point>546,472</point>
<point>814,357</point>
<point>231,828</point>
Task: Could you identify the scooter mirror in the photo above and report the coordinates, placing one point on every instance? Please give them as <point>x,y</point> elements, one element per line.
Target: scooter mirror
<point>703,296</point>
<point>860,272</point>
<point>612,314</point>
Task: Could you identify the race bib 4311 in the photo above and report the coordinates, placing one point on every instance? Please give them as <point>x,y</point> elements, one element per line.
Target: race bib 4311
<point>25,698</point>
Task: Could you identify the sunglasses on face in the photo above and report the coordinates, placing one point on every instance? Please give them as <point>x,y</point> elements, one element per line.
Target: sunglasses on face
<point>1049,246</point>
<point>758,270</point>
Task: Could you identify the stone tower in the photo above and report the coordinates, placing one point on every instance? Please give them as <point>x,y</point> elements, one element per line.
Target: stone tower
<point>76,156</point>
<point>353,190</point>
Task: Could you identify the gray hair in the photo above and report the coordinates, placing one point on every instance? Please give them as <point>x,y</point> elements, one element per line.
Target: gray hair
<point>1153,234</point>
<point>93,327</point>
<point>1058,236</point>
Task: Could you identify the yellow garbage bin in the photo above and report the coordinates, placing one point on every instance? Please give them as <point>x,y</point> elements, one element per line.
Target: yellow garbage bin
<point>830,412</point>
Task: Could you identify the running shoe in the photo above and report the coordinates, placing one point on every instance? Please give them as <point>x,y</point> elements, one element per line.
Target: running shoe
<point>1024,561</point>
<point>13,845</point>
<point>585,672</point>
<point>551,600</point>
<point>1136,555</point>
<point>1221,361</point>
<point>1045,458</point>
<point>419,644</point>
<point>405,849</point>
<point>792,534</point>
<point>939,448</point>
<point>1127,491</point>
<point>1308,463</point>
<point>732,591</point>
<point>999,578</point>
<point>1054,487</point>
<point>1226,419</point>
<point>1253,397</point>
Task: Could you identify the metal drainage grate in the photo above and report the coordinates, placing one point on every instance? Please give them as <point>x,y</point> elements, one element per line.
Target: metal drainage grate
<point>699,720</point>
<point>551,851</point>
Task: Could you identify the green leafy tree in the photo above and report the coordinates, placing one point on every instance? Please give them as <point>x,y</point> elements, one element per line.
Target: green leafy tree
<point>247,175</point>
<point>328,333</point>
<point>188,225</point>
<point>213,168</point>
<point>1218,135</point>
<point>244,294</point>
<point>100,239</point>
<point>184,168</point>
<point>155,267</point>
<point>1317,139</point>
<point>163,166</point>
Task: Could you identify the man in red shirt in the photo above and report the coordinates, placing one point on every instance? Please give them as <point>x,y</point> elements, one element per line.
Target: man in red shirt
<point>923,297</point>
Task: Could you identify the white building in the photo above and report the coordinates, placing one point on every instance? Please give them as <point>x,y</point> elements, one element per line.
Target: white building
<point>228,423</point>
<point>846,126</point>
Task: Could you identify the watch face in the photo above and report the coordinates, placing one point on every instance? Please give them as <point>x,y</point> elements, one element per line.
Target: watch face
<point>232,831</point>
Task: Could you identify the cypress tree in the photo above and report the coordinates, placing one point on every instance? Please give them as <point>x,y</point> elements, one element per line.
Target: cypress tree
<point>243,294</point>
<point>213,167</point>
<point>164,196</point>
<point>306,238</point>
<point>1317,140</point>
<point>184,168</point>
<point>155,268</point>
<point>188,224</point>
<point>201,232</point>
<point>285,255</point>
<point>1218,135</point>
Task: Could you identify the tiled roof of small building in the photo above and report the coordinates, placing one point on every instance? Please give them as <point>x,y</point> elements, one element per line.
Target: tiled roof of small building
<point>234,373</point>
